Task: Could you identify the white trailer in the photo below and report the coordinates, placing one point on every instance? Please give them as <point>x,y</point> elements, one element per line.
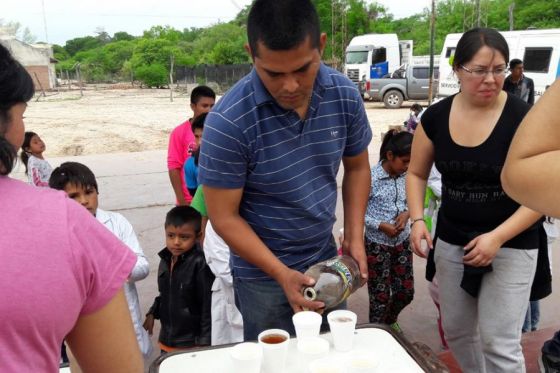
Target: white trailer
<point>538,49</point>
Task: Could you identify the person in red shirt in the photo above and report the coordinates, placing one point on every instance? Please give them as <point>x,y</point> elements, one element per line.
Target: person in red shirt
<point>182,143</point>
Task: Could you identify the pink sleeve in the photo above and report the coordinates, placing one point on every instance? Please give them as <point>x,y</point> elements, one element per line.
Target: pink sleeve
<point>176,149</point>
<point>102,263</point>
<point>37,178</point>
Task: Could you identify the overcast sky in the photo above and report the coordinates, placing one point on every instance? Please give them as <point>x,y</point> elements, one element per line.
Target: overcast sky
<point>67,19</point>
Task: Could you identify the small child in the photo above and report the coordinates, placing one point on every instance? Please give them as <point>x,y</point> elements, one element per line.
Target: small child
<point>37,169</point>
<point>390,283</point>
<point>414,118</point>
<point>184,285</point>
<point>79,183</point>
<point>191,165</point>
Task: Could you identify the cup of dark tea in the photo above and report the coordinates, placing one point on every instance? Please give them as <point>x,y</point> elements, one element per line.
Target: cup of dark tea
<point>275,344</point>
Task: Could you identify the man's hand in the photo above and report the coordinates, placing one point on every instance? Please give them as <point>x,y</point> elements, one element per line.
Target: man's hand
<point>482,250</point>
<point>149,324</point>
<point>389,229</point>
<point>401,221</point>
<point>293,283</point>
<point>358,252</point>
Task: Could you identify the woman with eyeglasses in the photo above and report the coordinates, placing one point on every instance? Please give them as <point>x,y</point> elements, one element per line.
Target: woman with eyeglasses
<point>486,252</point>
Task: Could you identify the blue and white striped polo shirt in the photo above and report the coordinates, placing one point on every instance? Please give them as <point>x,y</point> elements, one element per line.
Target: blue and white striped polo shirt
<point>286,166</point>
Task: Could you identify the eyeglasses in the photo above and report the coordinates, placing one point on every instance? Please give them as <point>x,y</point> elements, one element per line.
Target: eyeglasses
<point>481,73</point>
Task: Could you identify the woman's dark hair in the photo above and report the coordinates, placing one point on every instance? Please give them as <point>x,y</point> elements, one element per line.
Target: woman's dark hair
<point>282,24</point>
<point>397,142</point>
<point>26,143</point>
<point>16,86</point>
<point>476,38</point>
<point>74,173</point>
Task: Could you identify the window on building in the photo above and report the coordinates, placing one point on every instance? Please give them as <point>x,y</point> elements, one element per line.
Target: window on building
<point>537,60</point>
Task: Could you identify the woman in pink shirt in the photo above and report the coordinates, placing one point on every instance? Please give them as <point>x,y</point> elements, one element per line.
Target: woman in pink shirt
<point>61,271</point>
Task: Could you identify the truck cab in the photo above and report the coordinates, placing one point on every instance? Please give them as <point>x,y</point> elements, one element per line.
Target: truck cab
<point>373,56</point>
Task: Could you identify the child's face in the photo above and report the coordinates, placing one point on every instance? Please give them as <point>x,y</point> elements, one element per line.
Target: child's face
<point>397,165</point>
<point>36,145</point>
<point>181,239</point>
<point>204,105</point>
<point>85,196</point>
<point>198,136</point>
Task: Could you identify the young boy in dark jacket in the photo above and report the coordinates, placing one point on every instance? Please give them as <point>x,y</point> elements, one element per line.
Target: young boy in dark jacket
<point>184,284</point>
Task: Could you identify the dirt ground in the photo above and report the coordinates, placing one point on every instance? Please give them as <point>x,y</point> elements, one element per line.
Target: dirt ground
<point>131,120</point>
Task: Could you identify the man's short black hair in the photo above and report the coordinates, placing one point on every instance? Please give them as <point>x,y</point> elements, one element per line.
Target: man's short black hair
<point>514,63</point>
<point>74,173</point>
<point>198,122</point>
<point>201,91</point>
<point>282,24</point>
<point>181,215</point>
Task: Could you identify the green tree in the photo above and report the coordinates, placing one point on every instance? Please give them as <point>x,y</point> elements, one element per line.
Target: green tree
<point>122,36</point>
<point>76,45</point>
<point>152,75</point>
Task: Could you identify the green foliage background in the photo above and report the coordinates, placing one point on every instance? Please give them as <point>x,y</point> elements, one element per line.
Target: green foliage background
<point>148,57</point>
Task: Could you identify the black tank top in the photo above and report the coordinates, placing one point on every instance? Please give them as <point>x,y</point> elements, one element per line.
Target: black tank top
<point>473,201</point>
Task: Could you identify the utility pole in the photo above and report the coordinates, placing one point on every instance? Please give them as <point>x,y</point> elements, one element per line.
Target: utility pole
<point>511,7</point>
<point>45,21</point>
<point>477,13</point>
<point>432,47</point>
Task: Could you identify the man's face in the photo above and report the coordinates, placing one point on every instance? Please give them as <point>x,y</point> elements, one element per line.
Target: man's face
<point>84,195</point>
<point>289,75</point>
<point>203,105</point>
<point>517,71</point>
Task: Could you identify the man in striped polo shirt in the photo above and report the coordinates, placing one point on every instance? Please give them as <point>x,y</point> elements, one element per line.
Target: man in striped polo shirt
<point>270,154</point>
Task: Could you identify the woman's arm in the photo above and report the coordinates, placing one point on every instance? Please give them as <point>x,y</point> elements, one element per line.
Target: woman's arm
<point>104,341</point>
<point>421,160</point>
<point>484,248</point>
<point>531,174</point>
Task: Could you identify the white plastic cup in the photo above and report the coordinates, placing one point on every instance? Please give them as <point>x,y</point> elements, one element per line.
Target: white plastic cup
<point>311,349</point>
<point>361,361</point>
<point>342,324</point>
<point>274,354</point>
<point>246,357</point>
<point>326,365</point>
<point>307,324</point>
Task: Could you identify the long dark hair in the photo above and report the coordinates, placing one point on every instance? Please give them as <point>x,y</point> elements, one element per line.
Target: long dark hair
<point>26,144</point>
<point>16,86</point>
<point>397,142</point>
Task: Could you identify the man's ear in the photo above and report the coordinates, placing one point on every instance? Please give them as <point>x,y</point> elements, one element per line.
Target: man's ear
<point>249,51</point>
<point>193,106</point>
<point>390,155</point>
<point>322,43</point>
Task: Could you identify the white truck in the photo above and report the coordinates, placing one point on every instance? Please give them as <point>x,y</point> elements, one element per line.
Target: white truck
<point>375,55</point>
<point>538,49</point>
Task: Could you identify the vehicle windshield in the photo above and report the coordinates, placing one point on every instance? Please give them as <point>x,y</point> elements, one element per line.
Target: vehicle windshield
<point>356,57</point>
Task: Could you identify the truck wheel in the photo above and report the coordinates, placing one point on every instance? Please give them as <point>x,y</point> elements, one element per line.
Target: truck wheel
<point>393,99</point>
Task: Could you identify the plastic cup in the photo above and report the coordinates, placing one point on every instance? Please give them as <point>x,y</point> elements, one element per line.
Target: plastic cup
<point>275,344</point>
<point>246,357</point>
<point>342,324</point>
<point>361,361</point>
<point>311,349</point>
<point>326,365</point>
<point>307,324</point>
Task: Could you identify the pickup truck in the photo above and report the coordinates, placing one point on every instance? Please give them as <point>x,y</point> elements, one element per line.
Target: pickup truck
<point>406,83</point>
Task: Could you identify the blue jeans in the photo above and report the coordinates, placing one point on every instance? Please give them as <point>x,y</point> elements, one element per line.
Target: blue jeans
<point>532,317</point>
<point>263,305</point>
